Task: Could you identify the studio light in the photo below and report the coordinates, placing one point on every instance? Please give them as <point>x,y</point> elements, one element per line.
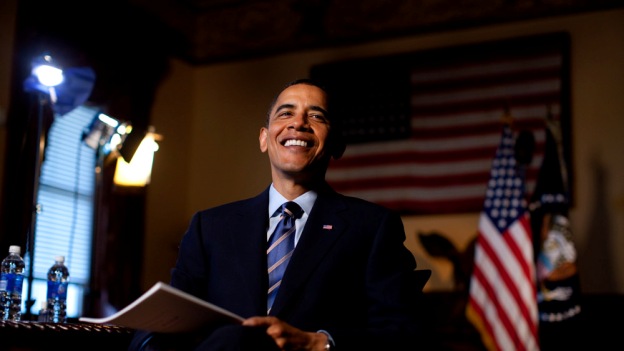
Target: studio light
<point>46,71</point>
<point>138,171</point>
<point>62,90</point>
<point>99,132</point>
<point>66,88</point>
<point>131,143</point>
<point>134,150</point>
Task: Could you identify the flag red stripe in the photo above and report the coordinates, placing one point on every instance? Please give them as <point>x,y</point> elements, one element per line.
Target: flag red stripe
<point>484,326</point>
<point>413,181</point>
<point>396,182</point>
<point>432,207</point>
<point>454,126</point>
<point>413,157</point>
<point>501,314</point>
<point>487,104</point>
<point>508,281</point>
<point>482,81</point>
<point>503,273</point>
<point>416,157</point>
<point>525,264</point>
<point>529,271</point>
<point>476,129</point>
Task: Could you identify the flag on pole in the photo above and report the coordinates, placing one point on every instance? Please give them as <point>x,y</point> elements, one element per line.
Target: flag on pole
<point>422,139</point>
<point>502,295</point>
<point>558,294</point>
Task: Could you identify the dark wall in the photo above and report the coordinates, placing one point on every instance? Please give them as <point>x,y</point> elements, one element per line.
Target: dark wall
<point>129,53</point>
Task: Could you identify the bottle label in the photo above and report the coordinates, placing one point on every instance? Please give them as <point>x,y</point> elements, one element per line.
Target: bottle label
<point>57,290</point>
<point>17,287</point>
<point>4,281</point>
<point>11,282</point>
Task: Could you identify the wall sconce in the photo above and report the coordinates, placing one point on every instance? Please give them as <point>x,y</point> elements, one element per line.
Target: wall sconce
<point>138,171</point>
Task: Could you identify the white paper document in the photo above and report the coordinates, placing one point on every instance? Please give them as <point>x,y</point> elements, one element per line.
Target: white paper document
<point>166,309</point>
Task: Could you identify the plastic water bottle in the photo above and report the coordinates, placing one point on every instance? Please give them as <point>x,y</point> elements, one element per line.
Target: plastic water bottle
<point>58,280</point>
<point>44,313</point>
<point>11,279</point>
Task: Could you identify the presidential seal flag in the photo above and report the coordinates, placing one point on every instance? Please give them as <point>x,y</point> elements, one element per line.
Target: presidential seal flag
<point>502,295</point>
<point>559,292</point>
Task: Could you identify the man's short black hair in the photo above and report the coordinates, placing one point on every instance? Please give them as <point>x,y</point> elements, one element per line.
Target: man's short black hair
<point>306,81</point>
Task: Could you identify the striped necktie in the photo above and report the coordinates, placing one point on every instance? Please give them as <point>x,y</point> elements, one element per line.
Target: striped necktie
<point>281,246</point>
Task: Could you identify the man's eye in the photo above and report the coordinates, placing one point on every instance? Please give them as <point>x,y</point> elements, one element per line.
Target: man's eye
<point>320,118</point>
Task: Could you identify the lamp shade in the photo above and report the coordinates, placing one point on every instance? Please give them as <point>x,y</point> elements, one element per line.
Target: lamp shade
<point>131,143</point>
<point>138,171</point>
<point>68,88</point>
<point>74,90</point>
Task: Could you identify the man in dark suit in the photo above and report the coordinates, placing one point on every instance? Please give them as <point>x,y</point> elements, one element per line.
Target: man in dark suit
<point>347,284</point>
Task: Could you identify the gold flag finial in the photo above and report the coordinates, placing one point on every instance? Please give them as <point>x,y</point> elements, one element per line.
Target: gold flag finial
<point>506,118</point>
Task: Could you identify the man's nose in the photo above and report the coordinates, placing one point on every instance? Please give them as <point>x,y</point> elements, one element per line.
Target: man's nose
<point>300,121</point>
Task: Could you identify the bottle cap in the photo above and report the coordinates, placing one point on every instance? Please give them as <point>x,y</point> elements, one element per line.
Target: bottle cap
<point>15,249</point>
<point>59,259</point>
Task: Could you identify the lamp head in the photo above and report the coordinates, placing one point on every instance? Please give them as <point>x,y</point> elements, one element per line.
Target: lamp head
<point>100,131</point>
<point>47,72</point>
<point>67,88</point>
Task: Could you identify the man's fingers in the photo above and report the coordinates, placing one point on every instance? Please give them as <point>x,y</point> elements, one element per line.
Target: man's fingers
<point>260,321</point>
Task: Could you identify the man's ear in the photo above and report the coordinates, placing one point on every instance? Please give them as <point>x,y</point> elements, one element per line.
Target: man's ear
<point>262,138</point>
<point>338,148</point>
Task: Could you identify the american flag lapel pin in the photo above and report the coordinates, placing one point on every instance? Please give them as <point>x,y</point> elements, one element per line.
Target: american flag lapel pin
<point>327,226</point>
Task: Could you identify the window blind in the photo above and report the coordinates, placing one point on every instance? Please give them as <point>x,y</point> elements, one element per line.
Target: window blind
<point>64,225</point>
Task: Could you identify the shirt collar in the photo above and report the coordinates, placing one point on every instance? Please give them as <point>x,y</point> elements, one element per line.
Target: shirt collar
<point>305,200</point>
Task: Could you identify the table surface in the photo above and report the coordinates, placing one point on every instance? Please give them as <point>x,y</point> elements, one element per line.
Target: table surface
<point>35,336</point>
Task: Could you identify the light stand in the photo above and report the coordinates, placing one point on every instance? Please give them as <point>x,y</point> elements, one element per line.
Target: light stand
<point>42,100</point>
<point>48,76</point>
<point>62,92</point>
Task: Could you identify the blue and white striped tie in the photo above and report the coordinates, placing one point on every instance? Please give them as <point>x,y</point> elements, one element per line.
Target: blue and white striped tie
<point>281,246</point>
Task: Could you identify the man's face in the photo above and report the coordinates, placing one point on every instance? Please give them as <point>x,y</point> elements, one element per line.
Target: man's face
<point>297,136</point>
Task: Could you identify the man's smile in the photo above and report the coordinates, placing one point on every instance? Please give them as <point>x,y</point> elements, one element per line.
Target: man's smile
<point>296,142</point>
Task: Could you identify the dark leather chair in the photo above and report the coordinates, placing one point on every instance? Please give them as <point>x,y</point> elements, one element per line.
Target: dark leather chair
<point>421,277</point>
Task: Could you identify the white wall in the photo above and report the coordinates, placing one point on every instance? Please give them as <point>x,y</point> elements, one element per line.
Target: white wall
<point>210,117</point>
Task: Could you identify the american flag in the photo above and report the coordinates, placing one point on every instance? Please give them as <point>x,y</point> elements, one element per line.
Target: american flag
<point>502,302</point>
<point>423,130</point>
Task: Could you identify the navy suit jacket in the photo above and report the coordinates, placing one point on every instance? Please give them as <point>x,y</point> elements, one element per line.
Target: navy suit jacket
<point>350,273</point>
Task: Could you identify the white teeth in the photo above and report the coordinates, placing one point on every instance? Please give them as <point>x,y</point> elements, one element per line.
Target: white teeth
<point>292,142</point>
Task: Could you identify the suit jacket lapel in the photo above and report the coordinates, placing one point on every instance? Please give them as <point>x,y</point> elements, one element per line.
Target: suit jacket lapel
<point>249,245</point>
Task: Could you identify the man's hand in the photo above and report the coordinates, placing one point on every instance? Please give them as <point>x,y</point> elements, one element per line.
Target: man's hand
<point>287,337</point>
